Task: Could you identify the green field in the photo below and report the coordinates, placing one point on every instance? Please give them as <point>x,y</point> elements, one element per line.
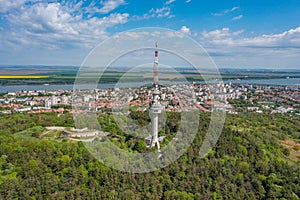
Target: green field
<point>67,75</point>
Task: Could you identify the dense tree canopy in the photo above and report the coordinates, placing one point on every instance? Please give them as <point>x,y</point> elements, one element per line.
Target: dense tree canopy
<point>248,162</point>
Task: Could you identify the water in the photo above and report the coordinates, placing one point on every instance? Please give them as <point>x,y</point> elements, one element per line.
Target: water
<point>283,82</point>
<point>17,88</point>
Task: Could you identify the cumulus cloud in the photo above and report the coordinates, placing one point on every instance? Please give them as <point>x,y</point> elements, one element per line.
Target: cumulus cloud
<point>6,5</point>
<point>286,39</point>
<point>58,25</point>
<point>185,30</point>
<point>220,36</point>
<point>232,49</point>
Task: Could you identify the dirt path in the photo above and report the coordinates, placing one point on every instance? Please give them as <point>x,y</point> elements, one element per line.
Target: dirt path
<point>80,140</point>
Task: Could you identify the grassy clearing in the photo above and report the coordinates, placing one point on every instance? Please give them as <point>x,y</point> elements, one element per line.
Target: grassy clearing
<point>52,134</point>
<point>294,148</point>
<point>31,132</point>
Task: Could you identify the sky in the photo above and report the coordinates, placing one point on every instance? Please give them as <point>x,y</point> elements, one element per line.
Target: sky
<point>236,34</point>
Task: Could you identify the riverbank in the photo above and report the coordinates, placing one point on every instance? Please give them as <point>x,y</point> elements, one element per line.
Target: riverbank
<point>17,88</point>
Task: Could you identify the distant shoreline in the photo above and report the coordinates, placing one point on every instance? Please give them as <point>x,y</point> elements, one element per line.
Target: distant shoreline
<point>17,88</point>
<point>66,75</point>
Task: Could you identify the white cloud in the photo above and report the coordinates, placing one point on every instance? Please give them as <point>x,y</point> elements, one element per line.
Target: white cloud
<point>237,17</point>
<point>286,39</point>
<point>224,12</point>
<point>110,5</point>
<point>220,36</point>
<point>185,30</point>
<point>234,8</point>
<point>188,1</point>
<point>56,25</point>
<point>232,49</point>
<point>169,2</point>
<point>7,5</point>
<point>160,12</point>
<point>155,13</point>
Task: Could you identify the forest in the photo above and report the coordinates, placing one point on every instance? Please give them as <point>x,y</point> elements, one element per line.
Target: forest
<point>249,161</point>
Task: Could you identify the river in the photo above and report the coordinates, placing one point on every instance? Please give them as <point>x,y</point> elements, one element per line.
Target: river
<point>17,88</point>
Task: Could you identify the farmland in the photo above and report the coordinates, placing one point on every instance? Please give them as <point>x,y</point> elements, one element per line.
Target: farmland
<point>37,75</point>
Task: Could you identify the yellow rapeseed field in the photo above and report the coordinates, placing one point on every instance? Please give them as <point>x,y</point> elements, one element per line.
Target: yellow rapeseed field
<point>17,77</point>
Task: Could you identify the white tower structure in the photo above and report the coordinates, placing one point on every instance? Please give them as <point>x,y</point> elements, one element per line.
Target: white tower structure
<point>155,107</point>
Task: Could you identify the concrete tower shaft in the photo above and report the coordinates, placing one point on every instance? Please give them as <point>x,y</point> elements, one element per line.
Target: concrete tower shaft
<point>156,107</point>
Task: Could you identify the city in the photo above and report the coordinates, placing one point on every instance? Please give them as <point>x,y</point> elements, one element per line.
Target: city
<point>154,100</point>
<point>234,98</point>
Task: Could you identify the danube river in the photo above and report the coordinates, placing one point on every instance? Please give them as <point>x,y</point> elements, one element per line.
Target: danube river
<point>17,88</point>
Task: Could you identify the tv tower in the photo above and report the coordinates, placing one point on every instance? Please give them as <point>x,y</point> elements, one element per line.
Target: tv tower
<point>155,106</point>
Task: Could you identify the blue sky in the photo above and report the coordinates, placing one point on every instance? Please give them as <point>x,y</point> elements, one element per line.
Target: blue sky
<point>243,34</point>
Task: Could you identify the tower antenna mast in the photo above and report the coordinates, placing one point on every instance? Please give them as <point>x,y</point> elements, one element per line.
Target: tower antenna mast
<point>155,67</point>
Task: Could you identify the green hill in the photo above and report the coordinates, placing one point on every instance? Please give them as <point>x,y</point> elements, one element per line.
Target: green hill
<point>250,161</point>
